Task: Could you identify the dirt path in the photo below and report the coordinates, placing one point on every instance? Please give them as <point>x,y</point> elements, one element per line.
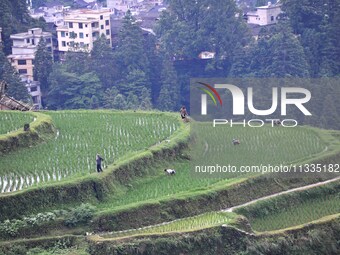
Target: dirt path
<point>282,193</point>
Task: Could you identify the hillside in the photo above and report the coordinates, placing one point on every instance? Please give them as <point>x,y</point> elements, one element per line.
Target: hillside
<point>51,194</point>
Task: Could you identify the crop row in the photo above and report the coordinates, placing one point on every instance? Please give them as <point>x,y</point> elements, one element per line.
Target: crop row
<point>80,135</point>
<point>202,221</point>
<point>11,121</point>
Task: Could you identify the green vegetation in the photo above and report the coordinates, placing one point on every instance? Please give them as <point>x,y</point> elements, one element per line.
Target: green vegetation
<point>293,209</point>
<point>263,146</point>
<point>80,135</point>
<point>11,121</point>
<point>195,223</point>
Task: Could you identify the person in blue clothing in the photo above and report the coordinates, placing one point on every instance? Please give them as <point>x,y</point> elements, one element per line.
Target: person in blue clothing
<point>99,160</point>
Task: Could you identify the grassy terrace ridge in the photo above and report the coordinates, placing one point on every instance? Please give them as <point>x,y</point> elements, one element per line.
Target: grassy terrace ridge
<point>12,120</point>
<point>195,223</point>
<point>82,134</point>
<point>92,187</point>
<point>175,196</point>
<point>293,209</point>
<point>41,129</point>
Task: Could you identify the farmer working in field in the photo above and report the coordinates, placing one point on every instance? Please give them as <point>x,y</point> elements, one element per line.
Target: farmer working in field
<point>99,160</point>
<point>184,113</point>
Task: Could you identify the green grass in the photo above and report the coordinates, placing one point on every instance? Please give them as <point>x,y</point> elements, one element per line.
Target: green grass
<point>58,251</point>
<point>195,223</point>
<point>300,214</point>
<point>159,185</point>
<point>293,209</point>
<point>256,148</point>
<point>259,146</point>
<point>80,135</point>
<point>12,120</point>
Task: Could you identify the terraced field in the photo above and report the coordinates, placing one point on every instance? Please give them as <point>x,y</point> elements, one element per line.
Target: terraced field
<point>80,135</point>
<point>118,136</point>
<point>11,121</point>
<point>293,209</point>
<point>207,220</point>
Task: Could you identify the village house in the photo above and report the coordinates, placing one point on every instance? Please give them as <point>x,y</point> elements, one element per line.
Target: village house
<point>22,58</point>
<point>82,27</point>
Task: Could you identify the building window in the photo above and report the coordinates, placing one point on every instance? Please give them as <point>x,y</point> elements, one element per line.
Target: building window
<point>34,89</point>
<point>33,42</point>
<point>82,44</point>
<point>63,43</point>
<point>101,17</point>
<point>87,35</point>
<point>107,22</point>
<point>35,100</point>
<point>73,35</point>
<point>272,18</point>
<point>107,31</point>
<point>101,26</point>
<point>85,25</point>
<point>22,71</point>
<point>70,25</point>
<point>22,62</point>
<point>80,25</point>
<point>27,40</point>
<point>81,35</point>
<point>48,40</point>
<point>62,34</point>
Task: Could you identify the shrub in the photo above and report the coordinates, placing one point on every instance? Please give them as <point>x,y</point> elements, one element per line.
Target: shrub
<point>80,214</point>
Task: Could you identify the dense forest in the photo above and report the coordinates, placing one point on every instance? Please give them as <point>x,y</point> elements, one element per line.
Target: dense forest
<point>146,71</point>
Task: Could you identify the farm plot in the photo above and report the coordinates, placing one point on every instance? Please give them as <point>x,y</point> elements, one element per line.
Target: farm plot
<point>11,121</point>
<point>294,209</point>
<point>257,147</point>
<point>198,222</point>
<point>80,135</point>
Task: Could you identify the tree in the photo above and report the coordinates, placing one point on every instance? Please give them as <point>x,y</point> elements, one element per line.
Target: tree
<point>136,80</point>
<point>109,96</point>
<point>73,91</point>
<point>130,54</point>
<point>8,74</point>
<point>119,102</point>
<point>102,62</point>
<point>169,95</point>
<point>77,62</point>
<point>278,53</point>
<point>145,100</point>
<point>317,23</point>
<point>132,101</point>
<point>189,28</point>
<point>42,65</point>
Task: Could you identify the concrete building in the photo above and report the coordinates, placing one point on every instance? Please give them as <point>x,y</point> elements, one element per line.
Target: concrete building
<point>22,58</point>
<point>265,15</point>
<point>82,27</point>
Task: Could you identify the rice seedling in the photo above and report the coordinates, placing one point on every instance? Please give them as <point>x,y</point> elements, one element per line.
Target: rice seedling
<point>197,222</point>
<point>11,121</point>
<point>293,209</point>
<point>80,135</point>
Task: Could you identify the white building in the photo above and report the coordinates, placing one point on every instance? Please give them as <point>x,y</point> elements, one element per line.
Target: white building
<point>23,52</point>
<point>123,5</point>
<point>82,27</point>
<point>265,15</point>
